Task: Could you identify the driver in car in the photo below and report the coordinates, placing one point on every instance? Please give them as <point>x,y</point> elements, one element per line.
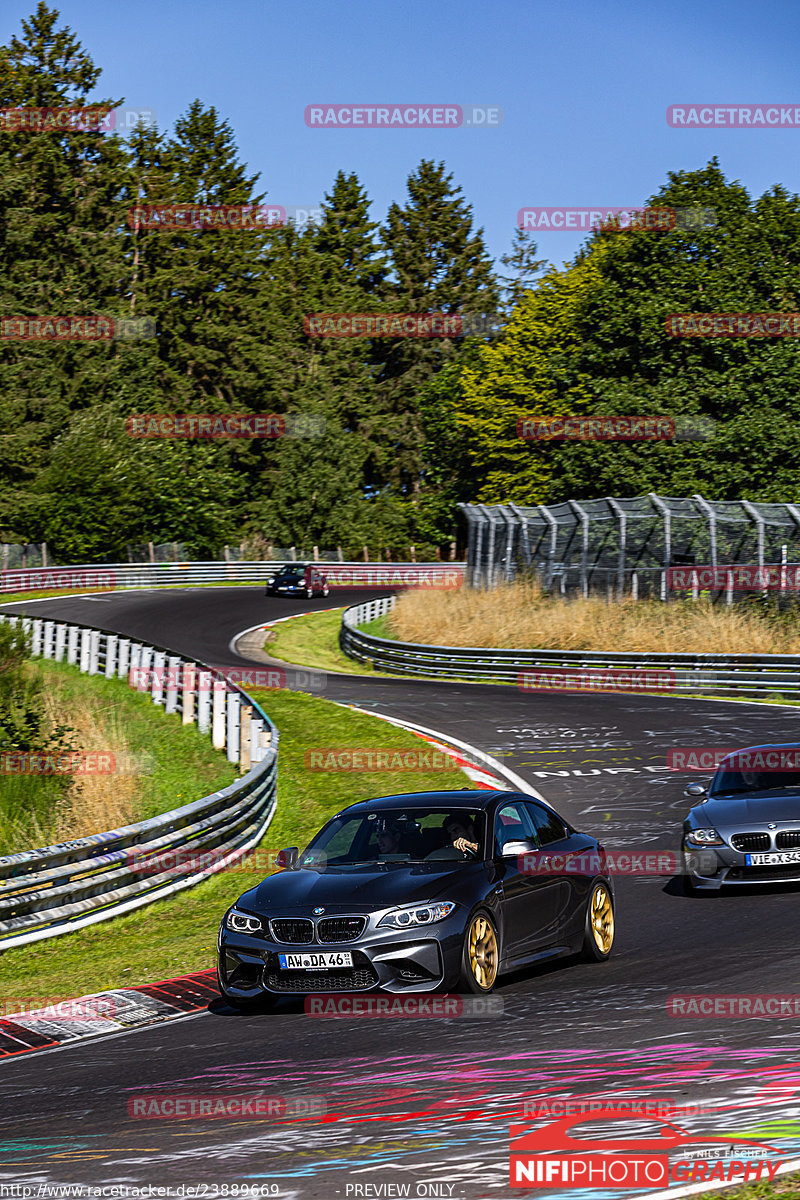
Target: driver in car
<point>387,836</point>
<point>462,833</point>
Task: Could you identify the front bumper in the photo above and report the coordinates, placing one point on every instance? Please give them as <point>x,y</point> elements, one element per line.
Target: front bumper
<point>422,959</point>
<point>711,868</point>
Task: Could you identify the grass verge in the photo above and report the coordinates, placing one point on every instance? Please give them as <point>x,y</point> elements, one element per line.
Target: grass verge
<point>312,640</point>
<point>160,763</point>
<point>177,935</point>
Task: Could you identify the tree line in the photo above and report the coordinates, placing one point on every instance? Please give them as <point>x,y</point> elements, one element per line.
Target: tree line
<point>411,426</point>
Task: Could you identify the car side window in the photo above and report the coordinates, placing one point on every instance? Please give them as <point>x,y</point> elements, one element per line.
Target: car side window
<point>512,824</point>
<point>548,827</point>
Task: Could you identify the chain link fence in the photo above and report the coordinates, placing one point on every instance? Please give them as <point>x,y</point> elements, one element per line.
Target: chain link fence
<point>618,546</point>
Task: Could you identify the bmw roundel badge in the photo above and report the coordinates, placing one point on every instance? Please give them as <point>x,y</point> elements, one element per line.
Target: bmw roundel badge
<point>317,911</point>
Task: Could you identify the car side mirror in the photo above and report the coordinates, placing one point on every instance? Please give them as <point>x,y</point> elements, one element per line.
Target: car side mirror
<point>695,789</point>
<point>514,849</point>
<point>287,858</point>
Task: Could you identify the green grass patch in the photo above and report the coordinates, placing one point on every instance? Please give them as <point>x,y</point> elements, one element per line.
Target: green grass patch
<point>166,764</point>
<point>177,935</point>
<point>312,640</point>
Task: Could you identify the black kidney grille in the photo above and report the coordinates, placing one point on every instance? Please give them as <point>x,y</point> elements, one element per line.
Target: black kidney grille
<point>788,840</point>
<point>294,931</point>
<point>750,841</point>
<point>340,929</point>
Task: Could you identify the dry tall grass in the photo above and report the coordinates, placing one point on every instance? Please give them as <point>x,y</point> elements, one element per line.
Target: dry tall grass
<point>93,802</point>
<point>517,616</point>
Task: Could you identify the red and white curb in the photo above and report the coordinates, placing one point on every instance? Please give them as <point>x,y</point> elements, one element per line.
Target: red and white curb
<point>61,1022</point>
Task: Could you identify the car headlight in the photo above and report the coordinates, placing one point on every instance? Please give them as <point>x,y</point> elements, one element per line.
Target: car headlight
<point>240,922</point>
<point>424,914</point>
<point>704,837</point>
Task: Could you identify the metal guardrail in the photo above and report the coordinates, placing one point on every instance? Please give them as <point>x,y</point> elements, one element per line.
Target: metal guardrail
<point>704,674</point>
<point>56,889</point>
<point>90,577</point>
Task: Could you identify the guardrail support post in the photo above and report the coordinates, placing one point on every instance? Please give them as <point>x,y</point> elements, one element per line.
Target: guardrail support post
<point>61,642</point>
<point>47,639</point>
<point>173,676</point>
<point>233,726</point>
<point>72,644</point>
<point>143,671</point>
<point>245,732</point>
<point>123,657</point>
<point>157,689</point>
<point>204,696</point>
<point>112,641</point>
<point>84,652</point>
<point>218,714</point>
<point>94,651</point>
<point>188,685</point>
<point>36,639</point>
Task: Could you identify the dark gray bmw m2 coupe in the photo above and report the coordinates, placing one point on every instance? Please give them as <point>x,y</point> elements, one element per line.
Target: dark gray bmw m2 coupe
<point>427,891</point>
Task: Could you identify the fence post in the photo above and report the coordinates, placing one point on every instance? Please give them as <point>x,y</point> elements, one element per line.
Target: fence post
<point>157,689</point>
<point>245,733</point>
<point>205,683</point>
<point>189,683</point>
<point>218,714</point>
<point>143,671</point>
<point>233,726</point>
<point>94,651</point>
<point>47,639</point>
<point>84,651</point>
<point>72,644</point>
<point>729,587</point>
<point>173,670</point>
<point>123,657</point>
<point>61,642</point>
<point>36,637</point>
<point>112,641</point>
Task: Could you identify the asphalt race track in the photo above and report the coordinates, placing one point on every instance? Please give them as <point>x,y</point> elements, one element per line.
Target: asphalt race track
<point>428,1102</point>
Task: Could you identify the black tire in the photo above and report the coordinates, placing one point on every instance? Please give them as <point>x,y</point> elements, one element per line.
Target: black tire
<point>480,954</point>
<point>598,937</point>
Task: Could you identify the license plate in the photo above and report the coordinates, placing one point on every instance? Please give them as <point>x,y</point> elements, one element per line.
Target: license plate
<point>772,859</point>
<point>320,961</point>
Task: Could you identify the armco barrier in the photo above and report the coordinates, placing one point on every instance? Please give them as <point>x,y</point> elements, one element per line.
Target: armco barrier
<point>54,890</point>
<point>125,576</point>
<point>700,674</point>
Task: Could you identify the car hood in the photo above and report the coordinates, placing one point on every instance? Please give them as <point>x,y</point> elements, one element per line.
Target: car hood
<point>363,889</point>
<point>754,808</point>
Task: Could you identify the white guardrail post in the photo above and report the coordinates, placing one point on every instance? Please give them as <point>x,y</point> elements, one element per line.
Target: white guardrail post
<point>53,890</point>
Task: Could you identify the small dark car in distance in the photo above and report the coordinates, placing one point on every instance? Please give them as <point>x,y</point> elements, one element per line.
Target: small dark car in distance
<point>745,827</point>
<point>421,892</point>
<point>298,579</point>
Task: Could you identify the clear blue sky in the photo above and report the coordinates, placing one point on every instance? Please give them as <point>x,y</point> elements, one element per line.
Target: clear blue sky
<point>583,85</point>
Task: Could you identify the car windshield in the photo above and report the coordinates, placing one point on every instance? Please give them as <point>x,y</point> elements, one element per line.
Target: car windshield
<point>291,576</point>
<point>418,834</point>
<point>727,780</point>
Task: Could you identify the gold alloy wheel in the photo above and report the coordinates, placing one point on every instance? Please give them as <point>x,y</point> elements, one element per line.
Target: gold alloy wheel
<point>483,952</point>
<point>601,914</point>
